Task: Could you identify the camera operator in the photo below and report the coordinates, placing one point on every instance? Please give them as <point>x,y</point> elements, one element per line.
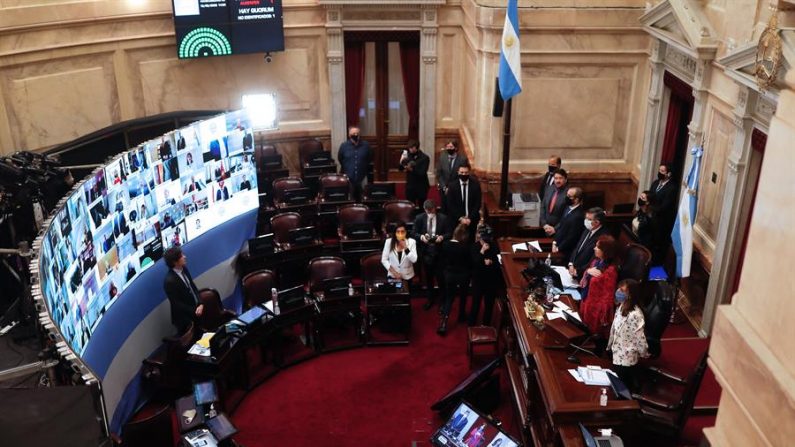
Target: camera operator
<point>415,163</point>
<point>486,274</point>
<point>430,230</point>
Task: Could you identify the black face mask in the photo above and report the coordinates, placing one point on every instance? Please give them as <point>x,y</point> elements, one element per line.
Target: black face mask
<point>552,168</point>
<point>661,176</point>
<point>569,201</point>
<point>641,202</point>
<point>451,151</point>
<point>355,138</point>
<point>463,177</point>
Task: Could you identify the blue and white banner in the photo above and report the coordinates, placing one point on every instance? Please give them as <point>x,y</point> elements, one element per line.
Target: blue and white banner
<point>510,74</point>
<point>682,234</point>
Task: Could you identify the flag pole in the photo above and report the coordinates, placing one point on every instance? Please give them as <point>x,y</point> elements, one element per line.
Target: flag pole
<point>506,154</point>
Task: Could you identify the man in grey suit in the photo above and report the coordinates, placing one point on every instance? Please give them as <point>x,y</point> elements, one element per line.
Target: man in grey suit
<point>554,203</point>
<point>447,166</point>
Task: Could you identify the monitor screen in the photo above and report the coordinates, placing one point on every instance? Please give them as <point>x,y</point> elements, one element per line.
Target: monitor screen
<point>221,427</point>
<point>466,427</point>
<point>221,28</point>
<point>119,221</point>
<point>205,392</point>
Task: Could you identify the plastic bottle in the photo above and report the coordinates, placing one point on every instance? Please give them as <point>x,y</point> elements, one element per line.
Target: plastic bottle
<point>350,289</point>
<point>603,398</point>
<point>550,293</point>
<point>275,299</point>
<point>548,261</point>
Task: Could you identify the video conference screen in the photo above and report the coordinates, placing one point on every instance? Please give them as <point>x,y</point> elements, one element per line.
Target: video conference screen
<point>165,192</point>
<point>223,27</point>
<point>467,428</point>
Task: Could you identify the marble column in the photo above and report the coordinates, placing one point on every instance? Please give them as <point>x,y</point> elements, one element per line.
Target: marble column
<point>654,119</point>
<point>732,222</point>
<point>427,106</point>
<point>336,76</point>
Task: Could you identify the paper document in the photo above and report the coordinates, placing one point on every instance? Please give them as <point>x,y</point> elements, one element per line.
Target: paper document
<point>554,315</point>
<point>269,305</point>
<point>204,342</point>
<point>561,305</point>
<point>575,374</point>
<point>593,376</point>
<point>522,246</point>
<point>499,258</point>
<point>197,349</point>
<point>565,277</point>
<point>535,245</point>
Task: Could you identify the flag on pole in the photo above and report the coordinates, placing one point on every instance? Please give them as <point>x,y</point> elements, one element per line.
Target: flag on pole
<point>682,234</point>
<point>510,57</point>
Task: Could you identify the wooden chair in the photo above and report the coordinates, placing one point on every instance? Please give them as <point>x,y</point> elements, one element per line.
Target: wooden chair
<point>324,267</point>
<point>281,224</point>
<point>154,430</point>
<point>257,287</point>
<point>636,263</point>
<point>666,400</point>
<point>486,337</point>
<point>214,315</point>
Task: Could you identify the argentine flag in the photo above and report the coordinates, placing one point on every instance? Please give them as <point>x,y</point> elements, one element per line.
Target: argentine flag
<point>510,57</point>
<point>682,234</point>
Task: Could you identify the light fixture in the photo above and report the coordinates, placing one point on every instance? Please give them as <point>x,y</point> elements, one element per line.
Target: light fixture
<point>262,110</point>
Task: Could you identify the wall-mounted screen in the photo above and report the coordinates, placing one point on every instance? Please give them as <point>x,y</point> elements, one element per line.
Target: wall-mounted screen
<point>165,192</point>
<point>223,27</point>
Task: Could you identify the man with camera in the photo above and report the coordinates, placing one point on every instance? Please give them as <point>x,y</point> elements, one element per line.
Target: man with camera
<point>415,163</point>
<point>486,274</point>
<point>430,229</point>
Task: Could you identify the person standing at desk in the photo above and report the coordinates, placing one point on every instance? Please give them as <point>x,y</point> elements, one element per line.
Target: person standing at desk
<point>569,229</point>
<point>354,157</point>
<point>583,252</point>
<point>486,274</point>
<point>549,178</point>
<point>464,200</point>
<point>598,287</point>
<point>627,340</point>
<point>400,254</point>
<point>457,256</point>
<point>181,291</point>
<point>665,191</point>
<point>430,229</point>
<point>553,204</point>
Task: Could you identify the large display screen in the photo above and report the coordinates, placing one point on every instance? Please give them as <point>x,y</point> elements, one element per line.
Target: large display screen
<point>165,192</point>
<point>223,27</point>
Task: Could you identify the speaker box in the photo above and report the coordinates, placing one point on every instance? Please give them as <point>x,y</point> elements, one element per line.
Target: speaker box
<point>499,104</point>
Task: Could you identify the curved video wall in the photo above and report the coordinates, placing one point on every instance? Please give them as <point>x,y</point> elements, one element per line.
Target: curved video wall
<point>117,223</point>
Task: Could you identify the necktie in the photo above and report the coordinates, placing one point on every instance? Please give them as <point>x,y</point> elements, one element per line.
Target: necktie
<point>583,242</point>
<point>187,283</point>
<point>452,162</point>
<point>464,196</point>
<point>431,226</point>
<point>552,202</point>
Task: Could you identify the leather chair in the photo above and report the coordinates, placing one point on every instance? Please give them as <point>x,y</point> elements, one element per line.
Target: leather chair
<point>164,368</point>
<point>486,336</point>
<point>666,400</point>
<point>352,213</point>
<point>257,287</point>
<point>156,429</point>
<point>636,262</point>
<point>307,147</point>
<point>283,184</point>
<point>281,224</point>
<point>334,180</point>
<point>324,267</point>
<point>372,269</point>
<point>397,211</point>
<point>657,305</point>
<point>214,315</point>
<point>268,149</point>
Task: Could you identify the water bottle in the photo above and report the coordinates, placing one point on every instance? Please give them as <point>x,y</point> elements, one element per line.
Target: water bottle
<point>212,412</point>
<point>603,398</point>
<point>275,299</point>
<point>550,292</point>
<point>548,261</point>
<point>350,289</point>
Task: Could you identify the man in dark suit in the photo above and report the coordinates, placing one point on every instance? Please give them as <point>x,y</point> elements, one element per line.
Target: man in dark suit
<point>120,224</point>
<point>180,290</point>
<point>665,192</point>
<point>549,177</point>
<point>415,163</point>
<point>554,201</point>
<point>354,156</point>
<point>583,254</point>
<point>567,232</point>
<point>447,167</point>
<point>430,230</point>
<point>463,200</point>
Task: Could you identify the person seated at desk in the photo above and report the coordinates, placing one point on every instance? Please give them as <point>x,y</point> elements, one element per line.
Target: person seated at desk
<point>598,287</point>
<point>400,254</point>
<point>627,340</point>
<point>568,230</point>
<point>583,252</point>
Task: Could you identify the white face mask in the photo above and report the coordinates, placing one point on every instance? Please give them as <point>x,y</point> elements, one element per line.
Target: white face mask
<point>588,224</point>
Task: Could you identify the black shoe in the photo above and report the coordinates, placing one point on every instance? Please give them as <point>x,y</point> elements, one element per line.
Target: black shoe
<point>428,304</point>
<point>442,330</point>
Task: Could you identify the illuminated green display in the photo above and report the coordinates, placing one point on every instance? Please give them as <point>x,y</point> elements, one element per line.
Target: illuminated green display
<point>204,42</point>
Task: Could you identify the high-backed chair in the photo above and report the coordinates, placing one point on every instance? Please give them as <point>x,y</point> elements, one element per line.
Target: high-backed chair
<point>283,184</point>
<point>398,211</point>
<point>657,305</point>
<point>307,147</point>
<point>352,213</point>
<point>281,224</point>
<point>257,287</point>
<point>636,262</point>
<point>324,267</point>
<point>214,315</point>
<point>372,269</point>
<point>666,400</point>
<point>268,149</point>
<point>164,368</point>
<point>333,181</point>
<point>155,429</point>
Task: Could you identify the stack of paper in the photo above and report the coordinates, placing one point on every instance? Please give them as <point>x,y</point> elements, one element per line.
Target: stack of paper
<point>565,277</point>
<point>202,346</point>
<point>554,315</point>
<point>526,246</point>
<point>591,375</point>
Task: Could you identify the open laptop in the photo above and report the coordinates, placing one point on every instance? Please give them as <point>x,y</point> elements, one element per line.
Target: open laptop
<point>358,230</point>
<point>599,441</point>
<point>465,426</point>
<point>205,392</point>
<point>302,235</point>
<point>296,196</point>
<point>260,246</point>
<point>291,298</point>
<point>619,388</point>
<point>254,316</point>
<point>221,427</point>
<point>336,287</point>
<point>335,193</point>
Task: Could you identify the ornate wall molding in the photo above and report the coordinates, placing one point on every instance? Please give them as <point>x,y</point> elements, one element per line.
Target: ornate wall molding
<point>681,62</point>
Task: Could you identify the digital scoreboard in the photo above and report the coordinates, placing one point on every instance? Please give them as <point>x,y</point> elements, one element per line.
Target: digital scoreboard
<point>224,27</point>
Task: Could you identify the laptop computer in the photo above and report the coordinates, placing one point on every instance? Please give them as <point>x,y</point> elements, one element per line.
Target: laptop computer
<point>336,287</point>
<point>296,196</point>
<point>221,427</point>
<point>619,388</point>
<point>254,316</point>
<point>262,245</point>
<point>465,426</point>
<point>358,230</point>
<point>380,191</point>
<point>205,392</point>
<point>302,235</point>
<point>599,441</point>
<point>336,193</point>
<point>291,298</point>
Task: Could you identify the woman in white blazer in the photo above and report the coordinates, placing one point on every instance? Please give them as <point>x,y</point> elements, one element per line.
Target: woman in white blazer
<point>400,254</point>
<point>627,337</point>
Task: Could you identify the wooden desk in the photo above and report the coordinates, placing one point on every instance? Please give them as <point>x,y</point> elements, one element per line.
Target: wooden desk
<point>504,222</point>
<point>395,305</point>
<point>184,404</point>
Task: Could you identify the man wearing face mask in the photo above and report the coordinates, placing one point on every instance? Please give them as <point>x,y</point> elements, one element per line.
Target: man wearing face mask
<point>666,192</point>
<point>583,252</point>
<point>463,200</point>
<point>447,166</point>
<point>430,230</point>
<point>646,226</point>
<point>553,204</point>
<point>549,177</point>
<point>415,163</point>
<point>354,158</point>
<point>567,232</point>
